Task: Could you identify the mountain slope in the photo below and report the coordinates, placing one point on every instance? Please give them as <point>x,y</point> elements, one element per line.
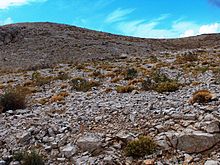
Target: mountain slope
<point>29,45</point>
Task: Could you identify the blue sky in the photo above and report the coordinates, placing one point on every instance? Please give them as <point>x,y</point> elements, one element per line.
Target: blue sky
<point>140,18</point>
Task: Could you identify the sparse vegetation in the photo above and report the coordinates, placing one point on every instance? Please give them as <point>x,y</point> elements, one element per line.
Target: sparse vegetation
<point>63,76</point>
<point>147,85</point>
<point>145,145</point>
<point>26,158</point>
<point>202,96</point>
<point>160,82</point>
<point>125,89</point>
<point>39,80</point>
<point>159,77</point>
<point>187,57</point>
<point>168,86</point>
<point>80,84</point>
<point>131,74</point>
<point>13,99</point>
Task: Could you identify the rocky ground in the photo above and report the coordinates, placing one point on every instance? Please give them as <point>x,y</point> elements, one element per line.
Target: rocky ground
<point>68,126</point>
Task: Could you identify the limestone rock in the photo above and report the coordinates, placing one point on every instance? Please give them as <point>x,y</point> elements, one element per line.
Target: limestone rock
<point>69,150</point>
<point>197,142</point>
<point>212,127</point>
<point>212,162</point>
<point>90,142</point>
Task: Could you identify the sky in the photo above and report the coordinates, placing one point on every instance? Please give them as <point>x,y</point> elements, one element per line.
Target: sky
<point>139,18</point>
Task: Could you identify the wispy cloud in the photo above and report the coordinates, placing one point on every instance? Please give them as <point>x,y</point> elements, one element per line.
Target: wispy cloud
<point>6,21</point>
<point>118,15</point>
<point>141,28</point>
<point>215,2</point>
<point>4,4</point>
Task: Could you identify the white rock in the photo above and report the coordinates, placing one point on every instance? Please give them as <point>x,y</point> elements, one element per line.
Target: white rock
<point>2,162</point>
<point>212,162</point>
<point>90,142</point>
<point>69,150</point>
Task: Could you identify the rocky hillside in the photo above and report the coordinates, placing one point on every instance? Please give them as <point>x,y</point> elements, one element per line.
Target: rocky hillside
<point>38,45</point>
<point>147,102</point>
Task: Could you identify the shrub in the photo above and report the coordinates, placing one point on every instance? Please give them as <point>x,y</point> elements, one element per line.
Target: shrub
<point>166,86</point>
<point>125,89</point>
<point>147,85</point>
<point>131,74</point>
<point>96,74</point>
<point>202,96</point>
<point>80,84</point>
<point>40,80</point>
<point>158,77</point>
<point>145,145</point>
<point>31,158</point>
<point>63,76</point>
<point>188,57</point>
<point>13,99</point>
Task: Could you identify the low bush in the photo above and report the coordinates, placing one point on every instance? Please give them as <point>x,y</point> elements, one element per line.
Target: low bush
<point>145,145</point>
<point>63,76</point>
<point>202,96</point>
<point>125,89</point>
<point>159,77</point>
<point>80,84</point>
<point>13,99</point>
<point>188,57</point>
<point>39,80</point>
<point>131,74</point>
<point>169,86</point>
<point>147,85</point>
<point>32,158</point>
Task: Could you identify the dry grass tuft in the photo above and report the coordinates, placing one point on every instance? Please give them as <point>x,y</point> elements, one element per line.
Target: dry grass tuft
<point>202,96</point>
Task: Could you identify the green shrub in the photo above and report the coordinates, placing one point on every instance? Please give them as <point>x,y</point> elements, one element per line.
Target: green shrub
<point>190,57</point>
<point>80,84</point>
<point>13,99</point>
<point>159,77</point>
<point>167,86</point>
<point>147,85</point>
<point>63,76</point>
<point>145,145</point>
<point>125,89</point>
<point>39,80</point>
<point>31,158</point>
<point>131,74</point>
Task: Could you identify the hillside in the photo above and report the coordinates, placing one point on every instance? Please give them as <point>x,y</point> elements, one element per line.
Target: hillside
<point>144,102</point>
<point>37,45</point>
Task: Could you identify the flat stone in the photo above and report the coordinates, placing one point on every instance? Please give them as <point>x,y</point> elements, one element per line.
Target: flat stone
<point>197,142</point>
<point>2,162</point>
<point>69,150</point>
<point>125,136</point>
<point>25,137</point>
<point>212,162</point>
<point>212,127</point>
<point>90,142</point>
<point>108,160</point>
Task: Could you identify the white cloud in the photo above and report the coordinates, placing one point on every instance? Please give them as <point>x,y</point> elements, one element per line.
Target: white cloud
<point>150,29</point>
<point>211,28</point>
<point>118,15</point>
<point>188,33</point>
<point>4,4</point>
<point>6,21</point>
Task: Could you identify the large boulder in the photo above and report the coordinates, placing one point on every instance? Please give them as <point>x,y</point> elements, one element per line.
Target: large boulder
<point>91,142</point>
<point>197,142</point>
